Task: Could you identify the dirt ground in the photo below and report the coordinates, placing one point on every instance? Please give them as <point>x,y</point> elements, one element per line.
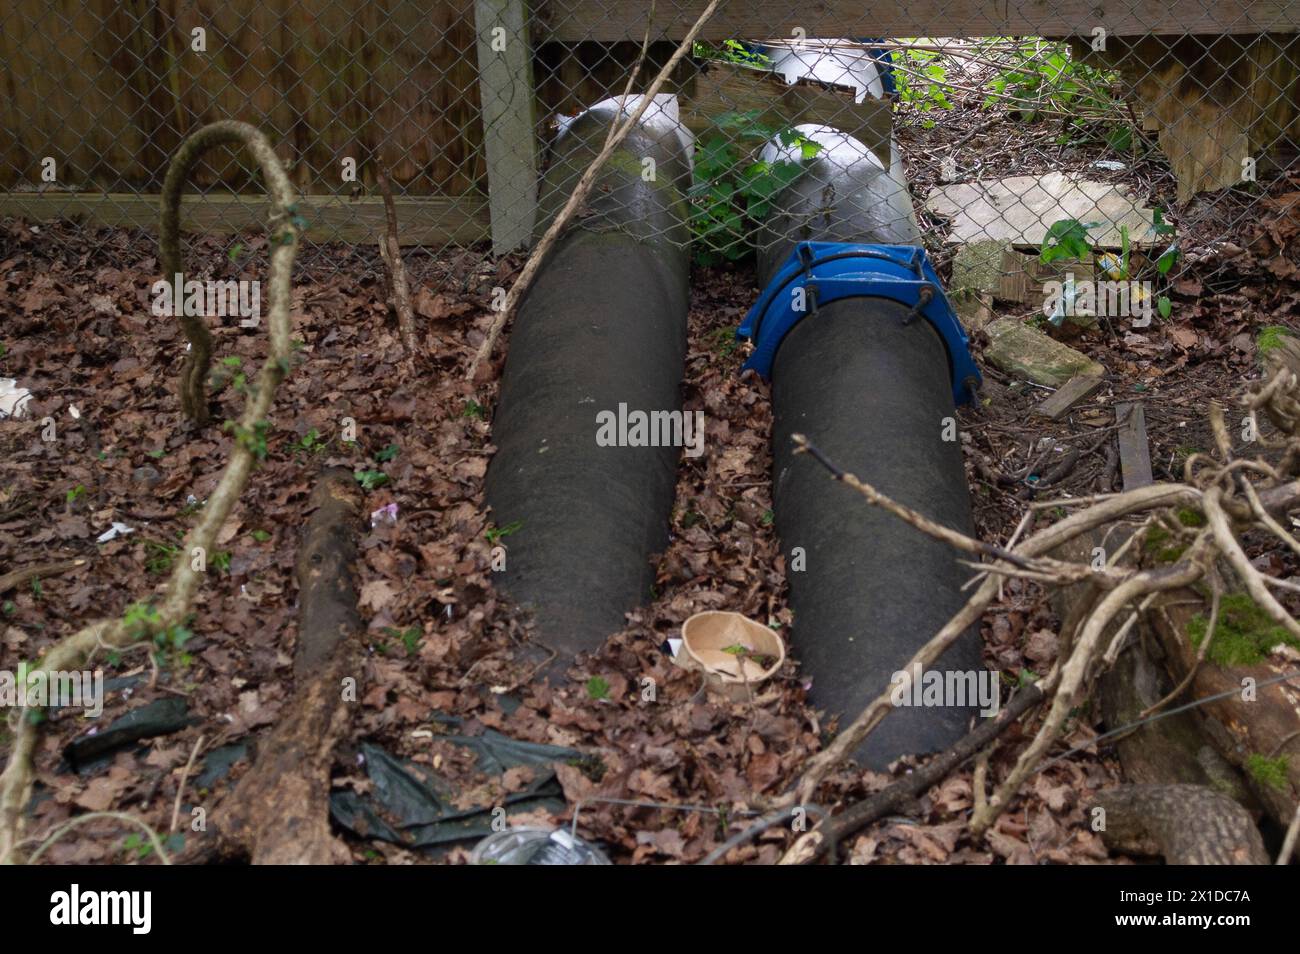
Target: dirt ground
<point>77,330</point>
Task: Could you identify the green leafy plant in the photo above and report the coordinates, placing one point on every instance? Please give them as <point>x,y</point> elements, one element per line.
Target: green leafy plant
<point>733,187</point>
<point>1040,75</point>
<point>261,536</point>
<point>597,688</point>
<point>1161,228</point>
<point>171,642</point>
<point>387,454</point>
<point>371,479</point>
<point>921,81</point>
<point>730,51</point>
<point>159,556</point>
<point>724,340</point>
<point>142,622</point>
<point>76,493</point>
<point>139,620</point>
<point>1066,238</point>
<point>310,443</point>
<point>410,637</point>
<point>137,844</point>
<point>254,441</point>
<point>494,534</point>
<point>474,410</point>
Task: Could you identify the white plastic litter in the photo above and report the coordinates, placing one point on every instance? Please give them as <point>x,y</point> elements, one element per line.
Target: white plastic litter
<point>1110,165</point>
<point>385,516</point>
<point>113,532</point>
<point>13,399</point>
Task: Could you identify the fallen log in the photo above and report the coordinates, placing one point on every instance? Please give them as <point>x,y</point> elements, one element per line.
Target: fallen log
<point>1256,725</point>
<point>1184,824</point>
<point>279,811</point>
<point>1166,751</point>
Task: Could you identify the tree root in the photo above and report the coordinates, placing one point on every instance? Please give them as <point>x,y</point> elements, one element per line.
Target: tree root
<point>1184,824</point>
<point>178,598</point>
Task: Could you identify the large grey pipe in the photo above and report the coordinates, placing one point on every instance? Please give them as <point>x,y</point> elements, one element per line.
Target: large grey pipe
<point>871,390</point>
<point>603,325</point>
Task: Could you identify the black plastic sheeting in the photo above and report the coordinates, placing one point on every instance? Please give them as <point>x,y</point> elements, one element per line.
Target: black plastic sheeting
<point>872,392</point>
<point>411,804</point>
<point>604,325</point>
<point>162,717</point>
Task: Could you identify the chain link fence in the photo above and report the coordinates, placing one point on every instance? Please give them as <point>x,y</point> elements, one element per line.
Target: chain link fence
<point>1126,141</point>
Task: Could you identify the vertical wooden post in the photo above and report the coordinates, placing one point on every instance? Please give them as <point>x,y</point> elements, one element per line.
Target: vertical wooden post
<point>505,76</point>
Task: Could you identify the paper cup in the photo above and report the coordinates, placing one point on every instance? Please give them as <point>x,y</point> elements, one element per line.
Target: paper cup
<point>735,653</point>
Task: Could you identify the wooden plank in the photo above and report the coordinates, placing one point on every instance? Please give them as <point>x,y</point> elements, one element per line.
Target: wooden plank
<point>728,87</point>
<point>1134,454</point>
<point>1211,100</point>
<point>1078,388</point>
<point>572,20</point>
<point>424,220</point>
<point>1023,275</point>
<point>505,71</point>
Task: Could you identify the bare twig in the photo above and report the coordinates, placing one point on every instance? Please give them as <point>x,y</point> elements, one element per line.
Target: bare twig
<point>180,786</point>
<point>1216,594</point>
<point>1043,541</point>
<point>1288,844</point>
<point>390,250</point>
<point>36,571</point>
<point>829,832</point>
<point>63,829</point>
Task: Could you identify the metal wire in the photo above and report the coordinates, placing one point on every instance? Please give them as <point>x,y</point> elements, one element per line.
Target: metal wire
<point>1199,125</point>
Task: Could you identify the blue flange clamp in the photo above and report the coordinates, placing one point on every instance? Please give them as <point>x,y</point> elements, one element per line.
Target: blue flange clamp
<point>829,271</point>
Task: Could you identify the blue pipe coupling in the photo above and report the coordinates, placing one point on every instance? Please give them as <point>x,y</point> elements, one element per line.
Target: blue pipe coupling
<point>818,273</point>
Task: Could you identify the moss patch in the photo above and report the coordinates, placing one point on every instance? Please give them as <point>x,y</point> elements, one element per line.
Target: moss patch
<point>1268,772</point>
<point>1270,338</point>
<point>1159,545</point>
<point>1244,634</point>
